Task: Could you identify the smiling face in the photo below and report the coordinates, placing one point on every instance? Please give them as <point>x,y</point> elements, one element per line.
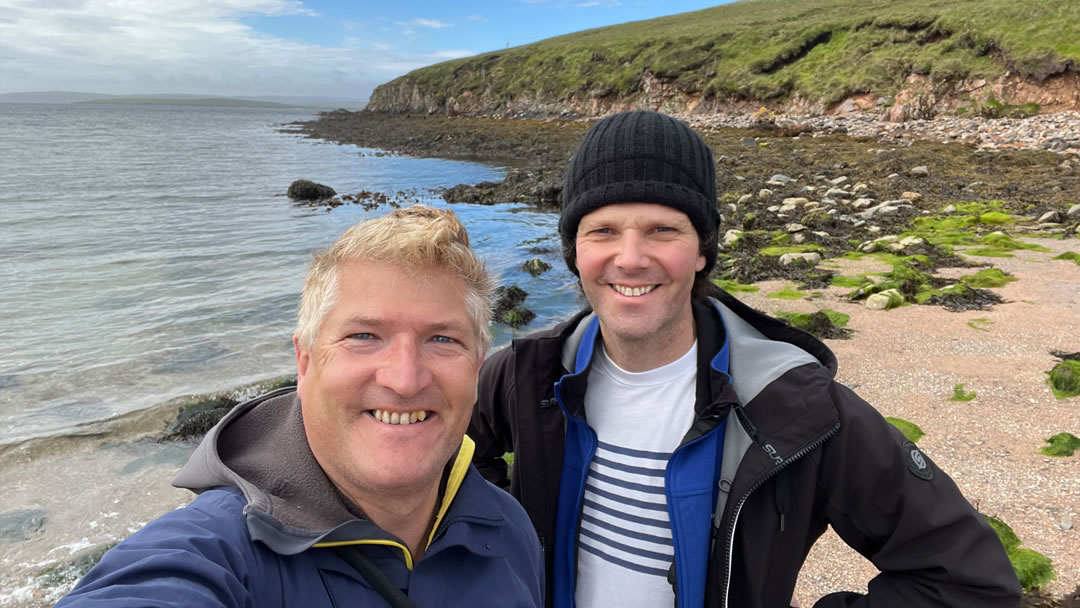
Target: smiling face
<point>389,384</point>
<point>637,263</point>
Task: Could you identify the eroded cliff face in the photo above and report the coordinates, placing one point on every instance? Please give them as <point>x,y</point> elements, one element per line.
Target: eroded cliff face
<point>921,98</point>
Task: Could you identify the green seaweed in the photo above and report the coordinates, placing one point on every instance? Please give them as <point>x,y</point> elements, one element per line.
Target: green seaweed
<point>959,394</point>
<point>1065,379</point>
<point>1033,569</point>
<point>999,244</point>
<point>988,277</point>
<point>1061,445</point>
<point>801,320</point>
<point>981,324</point>
<point>909,429</point>
<point>1069,255</point>
<point>779,251</point>
<point>787,293</point>
<point>735,286</point>
<point>849,281</point>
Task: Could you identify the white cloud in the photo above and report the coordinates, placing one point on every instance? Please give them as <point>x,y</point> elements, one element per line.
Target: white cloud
<point>451,54</point>
<point>191,46</point>
<point>431,23</point>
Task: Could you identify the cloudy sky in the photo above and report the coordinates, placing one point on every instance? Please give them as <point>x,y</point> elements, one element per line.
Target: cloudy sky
<point>273,47</point>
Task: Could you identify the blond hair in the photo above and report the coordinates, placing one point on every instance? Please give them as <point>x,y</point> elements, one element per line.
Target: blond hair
<point>413,238</point>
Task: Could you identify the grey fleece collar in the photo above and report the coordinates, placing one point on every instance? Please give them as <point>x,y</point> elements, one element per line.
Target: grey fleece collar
<point>260,448</point>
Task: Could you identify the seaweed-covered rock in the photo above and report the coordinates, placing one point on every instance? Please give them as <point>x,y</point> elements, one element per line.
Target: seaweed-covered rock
<point>68,572</point>
<point>540,189</point>
<point>536,267</point>
<point>508,308</point>
<point>1065,379</point>
<point>820,324</point>
<point>203,412</point>
<point>965,298</point>
<point>196,419</point>
<point>307,190</point>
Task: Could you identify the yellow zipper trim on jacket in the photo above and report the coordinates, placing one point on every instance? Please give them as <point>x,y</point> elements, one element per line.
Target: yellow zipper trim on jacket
<point>373,541</point>
<point>453,483</point>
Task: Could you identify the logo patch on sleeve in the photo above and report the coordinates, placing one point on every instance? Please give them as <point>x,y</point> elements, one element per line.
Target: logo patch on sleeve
<point>917,462</point>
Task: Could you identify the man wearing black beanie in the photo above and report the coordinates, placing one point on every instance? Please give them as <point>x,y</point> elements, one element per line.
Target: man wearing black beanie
<point>676,447</point>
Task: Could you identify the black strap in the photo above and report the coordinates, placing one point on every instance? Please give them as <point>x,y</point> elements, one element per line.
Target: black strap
<point>375,577</point>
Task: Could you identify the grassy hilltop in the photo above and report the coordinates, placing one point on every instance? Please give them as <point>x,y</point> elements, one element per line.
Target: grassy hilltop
<point>769,51</point>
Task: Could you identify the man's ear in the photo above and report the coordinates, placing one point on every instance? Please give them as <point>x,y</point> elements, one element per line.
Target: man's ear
<point>303,357</point>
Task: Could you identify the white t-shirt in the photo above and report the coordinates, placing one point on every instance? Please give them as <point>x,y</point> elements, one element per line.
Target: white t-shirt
<point>624,542</point>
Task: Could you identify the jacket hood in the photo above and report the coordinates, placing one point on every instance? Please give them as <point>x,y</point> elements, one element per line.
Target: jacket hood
<point>260,448</point>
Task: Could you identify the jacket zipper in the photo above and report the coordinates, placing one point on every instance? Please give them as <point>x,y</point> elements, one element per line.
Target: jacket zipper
<point>730,538</point>
<point>463,518</point>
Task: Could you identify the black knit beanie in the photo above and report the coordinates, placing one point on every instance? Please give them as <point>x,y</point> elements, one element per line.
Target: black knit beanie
<point>641,157</point>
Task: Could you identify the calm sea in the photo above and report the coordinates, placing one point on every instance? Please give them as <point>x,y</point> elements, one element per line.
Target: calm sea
<point>148,251</point>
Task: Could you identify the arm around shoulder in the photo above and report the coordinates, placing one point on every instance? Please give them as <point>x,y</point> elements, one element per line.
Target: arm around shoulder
<point>887,500</point>
<point>199,555</point>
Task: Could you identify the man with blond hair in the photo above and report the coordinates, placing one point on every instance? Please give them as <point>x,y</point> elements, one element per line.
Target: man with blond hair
<point>354,488</point>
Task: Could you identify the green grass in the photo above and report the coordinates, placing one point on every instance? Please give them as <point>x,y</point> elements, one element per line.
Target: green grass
<point>1069,255</point>
<point>1032,568</point>
<point>981,324</point>
<point>909,429</point>
<point>735,286</point>
<point>769,50</point>
<point>1065,379</point>
<point>1061,445</point>
<point>959,394</point>
<point>787,293</point>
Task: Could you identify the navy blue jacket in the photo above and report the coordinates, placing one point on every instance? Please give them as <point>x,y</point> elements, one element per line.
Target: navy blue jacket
<point>264,535</point>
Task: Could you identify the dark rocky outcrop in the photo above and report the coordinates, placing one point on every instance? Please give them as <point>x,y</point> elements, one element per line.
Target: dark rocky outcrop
<point>307,190</point>
<point>540,190</point>
<point>202,413</point>
<point>508,308</point>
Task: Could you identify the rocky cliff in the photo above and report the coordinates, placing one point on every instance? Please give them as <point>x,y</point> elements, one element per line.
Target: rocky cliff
<point>909,58</point>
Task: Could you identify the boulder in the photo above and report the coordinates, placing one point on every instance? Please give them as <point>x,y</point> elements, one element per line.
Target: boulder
<point>884,300</point>
<point>1050,217</point>
<point>307,190</point>
<point>810,259</point>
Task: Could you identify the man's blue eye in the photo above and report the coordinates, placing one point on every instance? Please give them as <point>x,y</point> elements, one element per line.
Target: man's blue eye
<point>362,336</point>
<point>444,339</point>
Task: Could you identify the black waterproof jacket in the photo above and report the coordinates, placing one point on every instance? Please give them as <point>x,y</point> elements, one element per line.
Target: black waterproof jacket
<point>801,453</point>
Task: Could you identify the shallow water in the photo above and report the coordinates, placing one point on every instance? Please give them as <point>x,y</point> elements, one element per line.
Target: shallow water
<point>148,251</point>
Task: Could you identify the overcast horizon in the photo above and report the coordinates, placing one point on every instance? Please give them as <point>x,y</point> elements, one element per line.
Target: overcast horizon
<point>261,48</point>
